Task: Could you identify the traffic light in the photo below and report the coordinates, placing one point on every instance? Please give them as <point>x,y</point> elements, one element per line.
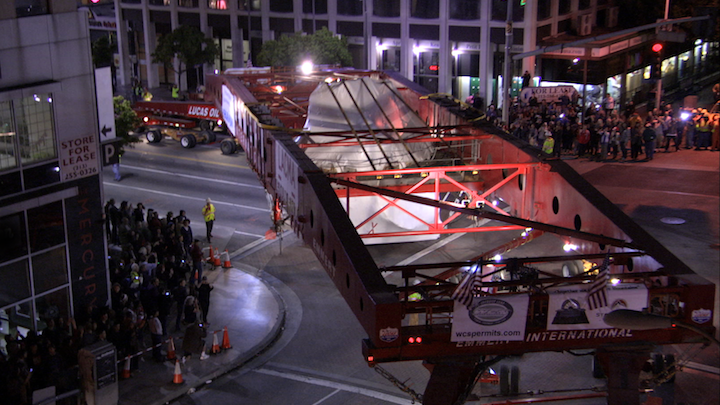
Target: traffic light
<point>657,63</point>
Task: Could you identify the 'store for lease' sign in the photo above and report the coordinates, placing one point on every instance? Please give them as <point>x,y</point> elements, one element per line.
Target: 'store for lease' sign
<point>78,158</point>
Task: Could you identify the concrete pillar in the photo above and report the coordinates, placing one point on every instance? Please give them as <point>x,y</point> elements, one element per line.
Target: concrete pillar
<point>124,71</point>
<point>622,367</point>
<point>150,39</point>
<point>445,72</point>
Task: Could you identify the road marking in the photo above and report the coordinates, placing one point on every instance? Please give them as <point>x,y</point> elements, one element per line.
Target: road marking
<point>326,397</point>
<point>338,386</point>
<point>254,244</point>
<point>189,176</point>
<point>147,190</point>
<point>195,160</point>
<point>249,234</point>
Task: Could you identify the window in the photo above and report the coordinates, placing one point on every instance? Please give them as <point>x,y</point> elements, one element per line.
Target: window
<point>34,128</point>
<point>465,9</point>
<point>45,225</point>
<point>281,6</point>
<point>8,158</point>
<point>499,10</point>
<point>12,237</point>
<point>564,6</point>
<point>315,6</point>
<point>188,3</point>
<point>584,4</point>
<point>49,270</point>
<point>218,4</point>
<point>424,8</point>
<point>349,7</point>
<point>252,5</point>
<point>386,8</point>
<point>16,282</point>
<point>543,9</point>
<point>25,8</point>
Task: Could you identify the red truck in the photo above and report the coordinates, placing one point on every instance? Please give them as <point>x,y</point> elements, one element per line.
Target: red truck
<point>189,122</point>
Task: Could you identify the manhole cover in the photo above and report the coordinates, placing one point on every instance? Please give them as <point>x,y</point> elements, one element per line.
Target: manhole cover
<point>672,221</point>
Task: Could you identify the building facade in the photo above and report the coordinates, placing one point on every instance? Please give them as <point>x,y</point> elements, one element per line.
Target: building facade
<point>447,46</point>
<point>53,260</point>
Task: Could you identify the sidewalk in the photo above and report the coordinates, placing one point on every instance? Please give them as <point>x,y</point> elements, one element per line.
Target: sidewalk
<point>253,313</point>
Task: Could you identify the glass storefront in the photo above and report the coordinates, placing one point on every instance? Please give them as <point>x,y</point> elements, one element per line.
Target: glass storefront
<point>425,68</point>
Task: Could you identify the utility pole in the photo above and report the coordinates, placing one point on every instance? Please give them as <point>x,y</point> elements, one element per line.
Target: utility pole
<point>658,92</point>
<point>507,74</point>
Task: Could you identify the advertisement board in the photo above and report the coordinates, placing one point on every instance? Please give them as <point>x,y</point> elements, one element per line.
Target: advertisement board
<point>497,317</point>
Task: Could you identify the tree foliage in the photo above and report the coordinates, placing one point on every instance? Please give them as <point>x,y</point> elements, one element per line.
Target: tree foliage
<point>188,45</point>
<point>322,48</point>
<point>126,120</point>
<point>102,52</point>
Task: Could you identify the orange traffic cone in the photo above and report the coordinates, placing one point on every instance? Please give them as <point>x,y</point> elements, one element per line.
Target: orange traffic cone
<point>211,259</point>
<point>171,349</point>
<point>195,276</point>
<point>177,377</point>
<point>226,263</point>
<point>126,370</point>
<point>216,259</point>
<point>215,346</point>
<point>226,340</point>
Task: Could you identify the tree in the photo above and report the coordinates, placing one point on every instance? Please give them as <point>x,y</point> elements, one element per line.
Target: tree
<point>102,52</point>
<point>188,45</point>
<point>126,121</point>
<point>322,48</point>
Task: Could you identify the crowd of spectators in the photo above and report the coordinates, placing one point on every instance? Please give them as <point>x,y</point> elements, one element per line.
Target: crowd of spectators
<point>153,288</point>
<point>606,132</point>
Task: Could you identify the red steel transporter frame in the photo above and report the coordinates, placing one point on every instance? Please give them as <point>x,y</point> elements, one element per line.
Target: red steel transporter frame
<point>514,189</point>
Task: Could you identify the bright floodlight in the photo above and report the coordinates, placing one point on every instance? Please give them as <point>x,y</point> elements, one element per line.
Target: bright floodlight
<point>306,67</point>
<point>569,246</point>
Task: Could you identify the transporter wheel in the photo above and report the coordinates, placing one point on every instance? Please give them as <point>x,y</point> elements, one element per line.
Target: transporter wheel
<point>209,136</point>
<point>188,141</point>
<point>206,125</point>
<point>153,136</point>
<point>228,146</point>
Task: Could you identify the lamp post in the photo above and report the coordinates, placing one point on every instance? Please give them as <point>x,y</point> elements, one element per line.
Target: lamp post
<point>507,71</point>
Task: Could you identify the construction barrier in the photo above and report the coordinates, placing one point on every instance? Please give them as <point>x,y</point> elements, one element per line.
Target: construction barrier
<point>226,263</point>
<point>171,349</point>
<point>177,376</point>
<point>215,346</point>
<point>226,340</point>
<point>126,369</point>
<point>216,259</point>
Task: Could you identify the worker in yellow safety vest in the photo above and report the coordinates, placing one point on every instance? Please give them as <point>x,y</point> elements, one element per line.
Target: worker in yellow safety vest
<point>208,212</point>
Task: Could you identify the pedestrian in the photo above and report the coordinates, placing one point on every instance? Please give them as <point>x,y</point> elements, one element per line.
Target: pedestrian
<point>179,294</point>
<point>526,78</point>
<point>648,136</point>
<point>608,104</point>
<point>116,170</point>
<point>196,254</point>
<point>194,341</point>
<point>672,134</point>
<point>636,142</point>
<point>208,212</point>
<point>715,145</point>
<point>175,91</point>
<point>147,96</point>
<point>187,234</point>
<point>204,298</point>
<point>156,335</point>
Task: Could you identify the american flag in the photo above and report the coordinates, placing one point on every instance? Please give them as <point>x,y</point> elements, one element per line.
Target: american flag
<point>597,295</point>
<point>465,291</point>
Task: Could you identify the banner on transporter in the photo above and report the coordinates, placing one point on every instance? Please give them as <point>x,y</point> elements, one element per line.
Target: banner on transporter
<point>497,317</point>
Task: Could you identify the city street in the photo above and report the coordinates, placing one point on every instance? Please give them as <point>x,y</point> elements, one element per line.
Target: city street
<point>317,357</point>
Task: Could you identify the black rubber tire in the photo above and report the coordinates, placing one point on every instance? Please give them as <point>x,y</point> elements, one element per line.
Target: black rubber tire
<point>228,147</point>
<point>188,141</point>
<point>504,381</point>
<point>658,363</point>
<point>208,136</point>
<point>153,136</point>
<point>571,268</point>
<point>515,380</point>
<point>206,125</point>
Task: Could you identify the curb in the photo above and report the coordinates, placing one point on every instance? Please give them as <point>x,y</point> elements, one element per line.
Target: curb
<point>243,358</point>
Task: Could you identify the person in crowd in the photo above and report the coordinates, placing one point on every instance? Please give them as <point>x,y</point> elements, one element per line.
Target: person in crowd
<point>648,137</point>
<point>204,298</point>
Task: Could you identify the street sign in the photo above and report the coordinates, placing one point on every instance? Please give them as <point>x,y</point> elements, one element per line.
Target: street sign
<point>111,152</point>
<point>106,112</point>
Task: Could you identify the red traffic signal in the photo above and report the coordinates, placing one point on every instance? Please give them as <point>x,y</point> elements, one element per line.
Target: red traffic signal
<point>657,47</point>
